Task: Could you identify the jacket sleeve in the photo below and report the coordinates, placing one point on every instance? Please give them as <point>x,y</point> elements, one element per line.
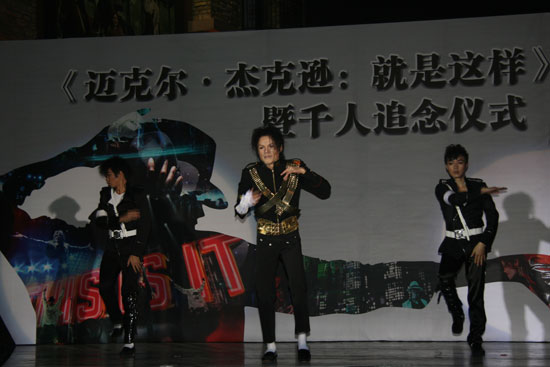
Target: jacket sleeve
<point>447,196</point>
<point>143,226</point>
<point>491,216</point>
<point>98,226</point>
<point>245,184</point>
<point>100,217</point>
<point>314,183</point>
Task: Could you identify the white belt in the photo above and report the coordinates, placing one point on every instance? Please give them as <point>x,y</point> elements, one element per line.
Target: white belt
<point>119,234</point>
<point>460,234</point>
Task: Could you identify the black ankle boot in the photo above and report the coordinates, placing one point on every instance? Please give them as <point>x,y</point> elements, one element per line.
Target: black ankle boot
<point>477,350</point>
<point>458,323</point>
<point>448,290</point>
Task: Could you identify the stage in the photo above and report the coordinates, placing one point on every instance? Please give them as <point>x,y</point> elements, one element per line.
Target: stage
<point>398,354</point>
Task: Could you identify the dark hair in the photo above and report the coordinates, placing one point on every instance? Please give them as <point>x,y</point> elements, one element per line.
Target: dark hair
<point>273,133</point>
<point>117,165</point>
<point>453,151</point>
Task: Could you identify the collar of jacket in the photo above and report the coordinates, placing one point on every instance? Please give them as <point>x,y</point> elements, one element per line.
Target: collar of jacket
<point>281,163</point>
<point>453,184</point>
<point>127,194</point>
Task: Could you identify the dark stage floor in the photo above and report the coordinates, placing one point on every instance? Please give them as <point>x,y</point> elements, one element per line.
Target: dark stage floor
<point>394,354</point>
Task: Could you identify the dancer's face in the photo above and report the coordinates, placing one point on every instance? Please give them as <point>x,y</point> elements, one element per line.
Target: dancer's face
<point>457,167</point>
<point>268,151</point>
<point>114,180</point>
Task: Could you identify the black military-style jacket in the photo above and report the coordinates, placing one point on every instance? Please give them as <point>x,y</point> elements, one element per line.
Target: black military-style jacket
<point>272,179</point>
<point>133,199</point>
<point>473,205</point>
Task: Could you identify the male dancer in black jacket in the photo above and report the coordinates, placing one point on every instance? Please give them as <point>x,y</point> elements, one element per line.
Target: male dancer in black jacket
<point>272,186</point>
<point>123,211</point>
<point>463,202</point>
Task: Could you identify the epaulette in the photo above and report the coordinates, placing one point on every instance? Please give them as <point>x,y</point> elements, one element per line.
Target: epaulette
<point>251,165</point>
<point>474,179</point>
<point>444,180</point>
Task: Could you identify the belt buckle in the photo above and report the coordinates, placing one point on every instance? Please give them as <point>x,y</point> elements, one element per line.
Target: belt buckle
<point>275,229</point>
<point>459,234</point>
<point>117,234</point>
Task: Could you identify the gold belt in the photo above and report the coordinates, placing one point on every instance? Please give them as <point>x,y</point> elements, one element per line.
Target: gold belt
<point>270,228</point>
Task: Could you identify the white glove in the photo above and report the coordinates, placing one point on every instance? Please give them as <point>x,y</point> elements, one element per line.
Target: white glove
<point>246,203</point>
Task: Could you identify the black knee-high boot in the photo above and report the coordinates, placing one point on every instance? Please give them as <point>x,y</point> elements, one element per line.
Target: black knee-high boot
<point>130,317</point>
<point>454,305</point>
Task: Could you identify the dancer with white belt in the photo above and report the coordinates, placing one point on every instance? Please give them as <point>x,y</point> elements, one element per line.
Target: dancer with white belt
<point>463,202</point>
<point>124,213</point>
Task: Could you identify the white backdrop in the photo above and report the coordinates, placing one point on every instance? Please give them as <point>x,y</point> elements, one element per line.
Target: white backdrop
<point>382,207</point>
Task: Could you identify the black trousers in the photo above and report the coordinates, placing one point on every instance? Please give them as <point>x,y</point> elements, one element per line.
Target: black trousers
<point>271,250</point>
<point>475,277</point>
<point>114,262</point>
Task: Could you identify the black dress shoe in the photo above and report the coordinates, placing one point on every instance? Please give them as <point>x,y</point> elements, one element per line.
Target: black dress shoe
<point>128,352</point>
<point>458,324</point>
<point>477,350</point>
<point>304,355</point>
<point>269,356</point>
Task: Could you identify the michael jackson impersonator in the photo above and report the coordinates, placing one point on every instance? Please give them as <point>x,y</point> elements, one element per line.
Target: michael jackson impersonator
<point>273,186</point>
<point>463,201</point>
<point>124,213</point>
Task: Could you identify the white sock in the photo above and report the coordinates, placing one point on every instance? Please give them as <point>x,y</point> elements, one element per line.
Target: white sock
<point>131,345</point>
<point>302,342</point>
<point>117,326</point>
<point>270,347</point>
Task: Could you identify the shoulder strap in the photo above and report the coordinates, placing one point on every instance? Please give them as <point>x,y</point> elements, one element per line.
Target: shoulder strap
<point>259,183</point>
<point>462,220</point>
<point>292,183</point>
<point>281,199</point>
